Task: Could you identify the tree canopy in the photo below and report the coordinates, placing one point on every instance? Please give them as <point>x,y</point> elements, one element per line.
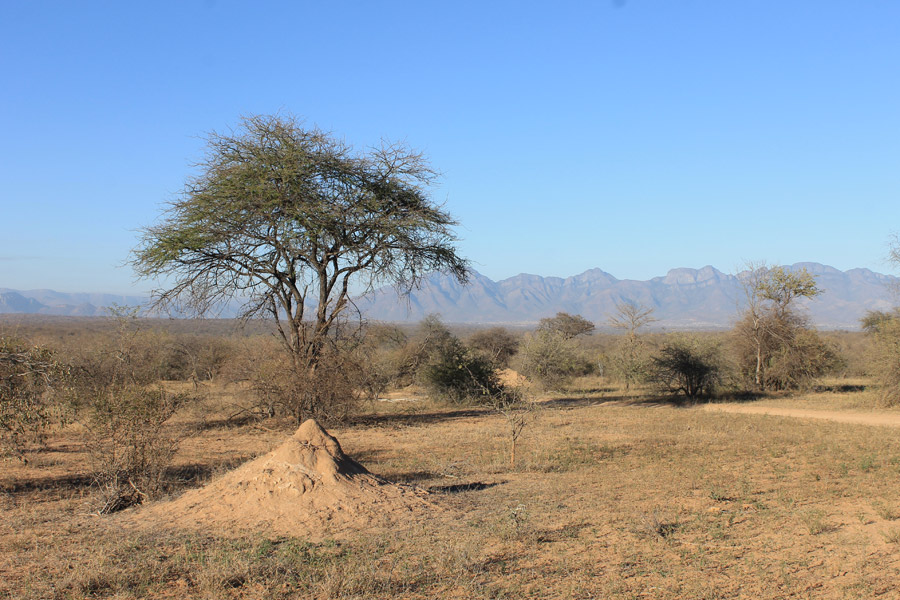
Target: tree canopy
<point>569,326</point>
<point>631,316</point>
<point>294,223</point>
<point>777,347</point>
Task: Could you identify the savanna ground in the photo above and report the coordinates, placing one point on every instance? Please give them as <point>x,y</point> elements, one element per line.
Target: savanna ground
<point>613,495</point>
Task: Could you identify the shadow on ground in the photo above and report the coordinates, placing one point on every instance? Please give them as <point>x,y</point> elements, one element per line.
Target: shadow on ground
<point>425,418</point>
<point>177,478</point>
<point>653,400</point>
<point>52,484</point>
<point>841,388</point>
<point>457,488</point>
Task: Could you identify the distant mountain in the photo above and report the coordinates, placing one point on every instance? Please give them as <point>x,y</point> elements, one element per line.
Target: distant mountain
<point>14,302</point>
<point>683,299</point>
<point>49,302</point>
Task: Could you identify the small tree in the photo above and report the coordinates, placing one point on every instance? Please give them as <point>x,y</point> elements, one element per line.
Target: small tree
<point>773,338</point>
<point>568,326</point>
<point>687,366</point>
<point>519,412</point>
<point>551,357</point>
<point>630,360</point>
<point>288,221</point>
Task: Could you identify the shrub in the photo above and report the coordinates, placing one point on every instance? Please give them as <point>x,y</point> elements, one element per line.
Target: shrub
<point>354,366</point>
<point>790,354</point>
<point>449,370</point>
<point>128,442</point>
<point>193,357</point>
<point>381,359</point>
<point>687,366</point>
<point>777,349</point>
<point>884,328</point>
<point>126,412</point>
<point>330,392</point>
<point>798,364</point>
<point>629,361</point>
<point>552,358</point>
<point>27,376</point>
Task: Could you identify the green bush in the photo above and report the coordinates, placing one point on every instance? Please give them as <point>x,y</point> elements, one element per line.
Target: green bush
<point>449,370</point>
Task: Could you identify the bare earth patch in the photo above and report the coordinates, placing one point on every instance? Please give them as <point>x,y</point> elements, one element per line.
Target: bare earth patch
<point>885,419</point>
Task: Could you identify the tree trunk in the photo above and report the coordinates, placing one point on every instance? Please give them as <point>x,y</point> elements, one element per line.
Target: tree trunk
<point>758,364</point>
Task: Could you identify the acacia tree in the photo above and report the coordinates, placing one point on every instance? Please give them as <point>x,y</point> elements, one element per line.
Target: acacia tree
<point>291,222</point>
<point>569,326</point>
<point>775,340</point>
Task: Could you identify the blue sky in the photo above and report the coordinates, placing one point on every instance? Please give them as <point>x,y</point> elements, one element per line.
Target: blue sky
<point>635,136</point>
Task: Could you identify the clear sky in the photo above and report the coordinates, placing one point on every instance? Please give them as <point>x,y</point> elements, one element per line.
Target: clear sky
<point>635,136</point>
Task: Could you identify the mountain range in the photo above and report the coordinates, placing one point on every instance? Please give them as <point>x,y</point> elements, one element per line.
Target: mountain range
<point>682,299</point>
<point>50,302</point>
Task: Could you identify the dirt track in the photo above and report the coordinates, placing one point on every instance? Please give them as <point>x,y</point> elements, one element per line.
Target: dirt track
<point>885,419</point>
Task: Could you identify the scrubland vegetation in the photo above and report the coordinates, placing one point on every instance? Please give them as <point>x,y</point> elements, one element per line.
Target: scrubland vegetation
<point>561,473</point>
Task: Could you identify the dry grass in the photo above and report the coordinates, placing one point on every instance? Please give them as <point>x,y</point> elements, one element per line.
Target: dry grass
<point>611,497</point>
<point>844,393</point>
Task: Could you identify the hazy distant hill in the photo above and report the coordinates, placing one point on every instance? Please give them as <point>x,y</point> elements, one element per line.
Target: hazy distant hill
<point>49,302</point>
<point>683,298</point>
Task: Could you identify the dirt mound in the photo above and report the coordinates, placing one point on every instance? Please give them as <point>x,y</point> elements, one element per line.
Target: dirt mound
<point>306,487</point>
<point>513,378</point>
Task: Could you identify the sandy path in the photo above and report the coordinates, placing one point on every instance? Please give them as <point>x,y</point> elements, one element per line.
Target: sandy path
<point>886,419</point>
